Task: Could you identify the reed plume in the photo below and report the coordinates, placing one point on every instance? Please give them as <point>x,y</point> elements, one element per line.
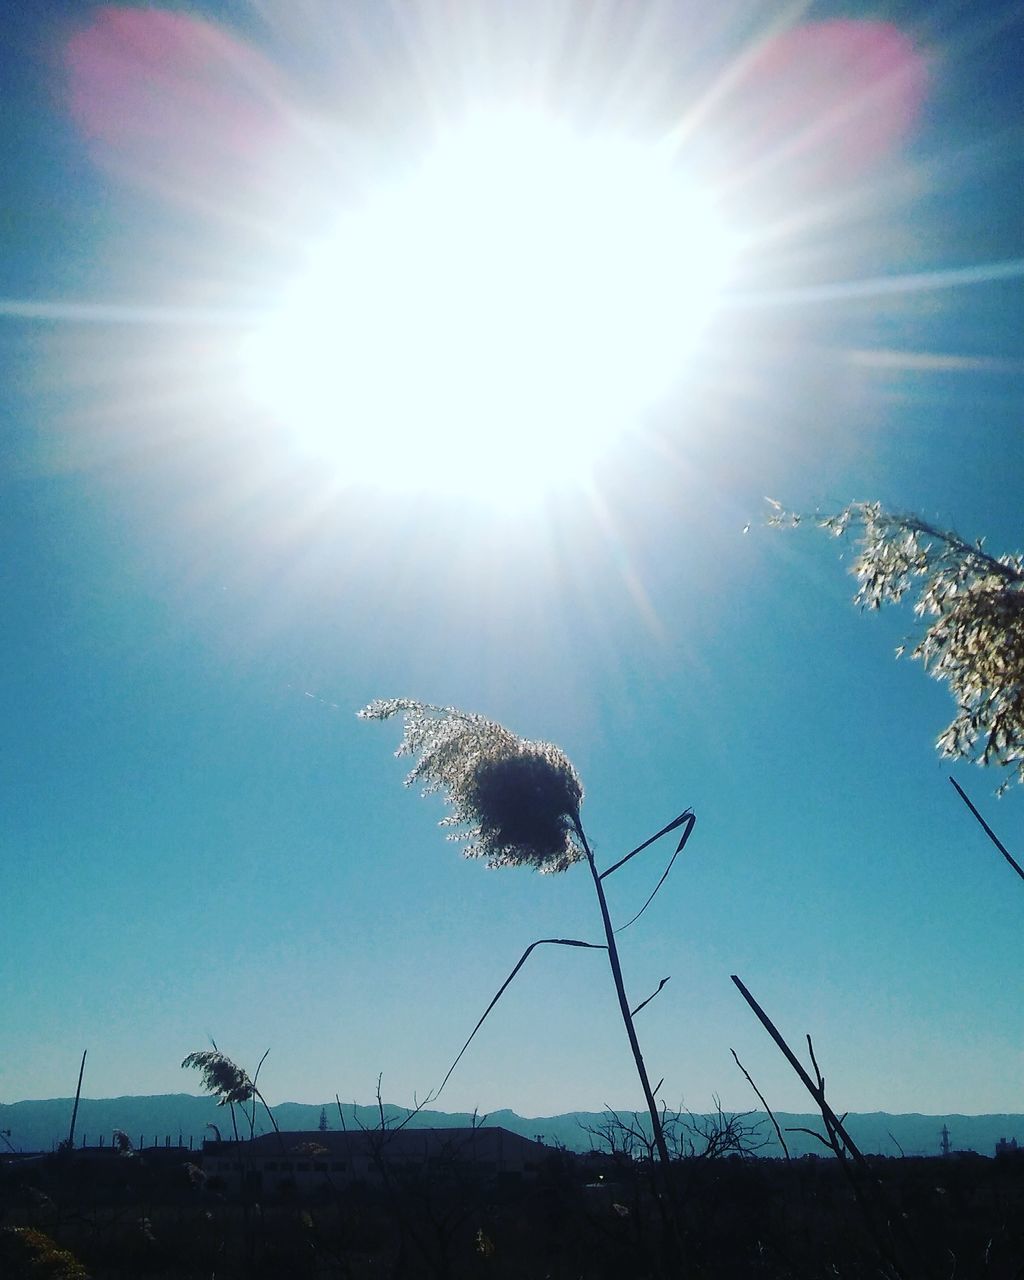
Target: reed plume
<point>515,802</point>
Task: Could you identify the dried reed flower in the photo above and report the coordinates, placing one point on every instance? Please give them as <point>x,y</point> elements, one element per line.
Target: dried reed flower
<point>973,639</point>
<point>516,802</point>
<point>221,1076</point>
<point>122,1144</point>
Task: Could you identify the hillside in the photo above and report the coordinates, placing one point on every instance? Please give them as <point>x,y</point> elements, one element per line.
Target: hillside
<point>39,1125</point>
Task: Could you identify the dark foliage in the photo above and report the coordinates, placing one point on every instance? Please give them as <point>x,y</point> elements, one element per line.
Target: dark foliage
<point>594,1218</point>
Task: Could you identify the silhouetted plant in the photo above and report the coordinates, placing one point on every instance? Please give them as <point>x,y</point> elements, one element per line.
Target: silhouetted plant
<point>865,1187</point>
<point>689,1136</point>
<point>225,1079</point>
<point>69,1142</point>
<point>517,802</point>
<point>122,1144</point>
<point>230,1083</point>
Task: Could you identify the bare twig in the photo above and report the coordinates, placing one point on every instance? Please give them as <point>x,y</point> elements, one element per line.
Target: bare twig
<point>256,1094</point>
<point>718,1134</point>
<point>688,816</point>
<point>988,831</point>
<point>722,1133</point>
<point>558,942</point>
<point>642,1003</point>
<point>812,1133</point>
<point>814,1063</point>
<point>762,1100</point>
<point>816,1092</point>
<point>619,1137</point>
<point>690,819</point>
<point>386,1125</point>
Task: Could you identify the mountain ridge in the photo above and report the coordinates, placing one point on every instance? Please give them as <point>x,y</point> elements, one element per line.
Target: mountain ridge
<point>185,1119</point>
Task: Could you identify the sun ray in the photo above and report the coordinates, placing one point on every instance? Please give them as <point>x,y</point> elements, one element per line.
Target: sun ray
<point>478,251</point>
<point>878,286</point>
<point>932,362</point>
<point>126,313</point>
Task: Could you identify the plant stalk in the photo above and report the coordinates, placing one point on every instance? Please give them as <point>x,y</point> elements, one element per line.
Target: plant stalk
<point>627,1017</point>
<point>78,1095</point>
<point>988,830</point>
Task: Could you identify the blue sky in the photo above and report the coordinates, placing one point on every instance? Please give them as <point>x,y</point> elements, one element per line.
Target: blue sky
<point>200,839</point>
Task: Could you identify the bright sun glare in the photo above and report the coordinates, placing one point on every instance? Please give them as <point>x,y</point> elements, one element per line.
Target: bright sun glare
<point>493,320</point>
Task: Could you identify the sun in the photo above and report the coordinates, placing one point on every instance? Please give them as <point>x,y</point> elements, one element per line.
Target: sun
<point>491,321</point>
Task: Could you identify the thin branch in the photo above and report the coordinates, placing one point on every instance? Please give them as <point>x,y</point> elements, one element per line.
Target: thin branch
<point>558,942</point>
<point>828,1115</point>
<point>414,1111</point>
<point>812,1133</point>
<point>988,831</point>
<point>814,1062</point>
<point>234,1124</point>
<point>341,1114</point>
<point>986,563</point>
<point>257,1094</point>
<point>259,1065</point>
<point>833,1130</point>
<point>688,815</point>
<point>642,1003</point>
<point>761,1098</point>
<point>634,1130</point>
<point>266,1108</point>
<point>860,514</point>
<point>664,875</point>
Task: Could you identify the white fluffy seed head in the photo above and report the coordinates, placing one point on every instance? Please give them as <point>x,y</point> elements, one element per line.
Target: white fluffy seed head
<point>515,802</point>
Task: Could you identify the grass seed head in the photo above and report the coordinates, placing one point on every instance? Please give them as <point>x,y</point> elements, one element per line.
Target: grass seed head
<point>221,1076</point>
<point>515,802</point>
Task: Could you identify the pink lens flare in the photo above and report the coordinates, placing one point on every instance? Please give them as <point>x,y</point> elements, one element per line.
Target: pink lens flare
<point>174,100</point>
<point>823,102</point>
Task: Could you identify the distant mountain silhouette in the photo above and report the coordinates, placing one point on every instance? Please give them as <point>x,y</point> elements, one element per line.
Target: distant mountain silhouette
<point>149,1121</point>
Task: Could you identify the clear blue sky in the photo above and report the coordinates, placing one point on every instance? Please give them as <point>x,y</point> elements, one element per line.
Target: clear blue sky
<point>199,838</point>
